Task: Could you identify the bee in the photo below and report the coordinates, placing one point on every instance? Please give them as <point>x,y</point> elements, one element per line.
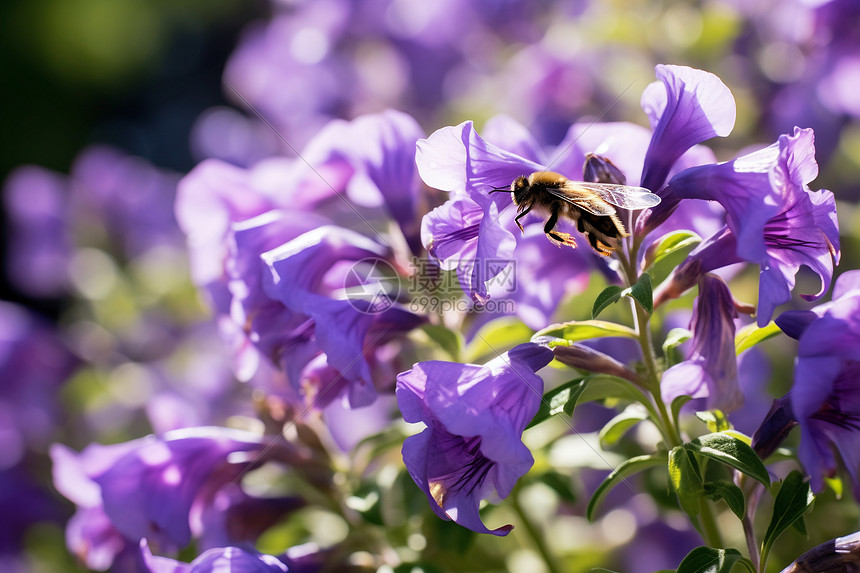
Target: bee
<point>589,205</point>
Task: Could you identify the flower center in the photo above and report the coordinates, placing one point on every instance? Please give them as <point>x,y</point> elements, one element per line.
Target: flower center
<point>465,470</point>
<point>832,413</point>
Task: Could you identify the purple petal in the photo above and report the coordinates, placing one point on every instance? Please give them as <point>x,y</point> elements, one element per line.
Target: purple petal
<point>623,143</point>
<point>794,322</point>
<point>711,370</point>
<point>507,133</point>
<point>475,415</point>
<point>690,107</point>
<point>450,231</point>
<point>149,492</point>
<point>847,282</point>
<point>458,160</point>
<point>209,199</point>
<point>37,203</point>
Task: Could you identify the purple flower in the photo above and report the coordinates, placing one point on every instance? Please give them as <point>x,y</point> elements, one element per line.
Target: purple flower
<point>474,228</point>
<point>164,489</point>
<point>214,560</point>
<point>24,503</point>
<point>711,371</point>
<point>209,199</point>
<point>132,198</point>
<point>474,232</point>
<point>34,363</point>
<point>279,272</point>
<point>475,416</point>
<point>40,236</point>
<point>378,152</point>
<point>825,398</point>
<point>346,330</point>
<point>690,107</point>
<point>306,558</point>
<point>773,219</point>
<point>111,197</point>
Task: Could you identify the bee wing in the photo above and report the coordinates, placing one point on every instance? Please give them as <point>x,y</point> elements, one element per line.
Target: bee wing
<point>625,196</point>
<point>583,198</point>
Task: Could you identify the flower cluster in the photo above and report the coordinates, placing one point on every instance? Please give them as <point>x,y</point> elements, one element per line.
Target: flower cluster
<point>354,337</point>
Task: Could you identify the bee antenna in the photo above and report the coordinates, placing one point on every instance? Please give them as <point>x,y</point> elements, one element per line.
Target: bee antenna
<point>498,190</point>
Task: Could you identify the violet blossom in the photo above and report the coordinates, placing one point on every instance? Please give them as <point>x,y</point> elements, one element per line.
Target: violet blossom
<point>711,370</point>
<point>773,219</point>
<point>265,248</point>
<point>346,330</point>
<point>110,200</point>
<point>824,397</point>
<point>474,227</point>
<point>305,558</point>
<point>213,560</point>
<point>165,489</point>
<point>475,415</point>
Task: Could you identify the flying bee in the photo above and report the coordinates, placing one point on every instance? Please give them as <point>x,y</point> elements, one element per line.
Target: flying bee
<point>589,205</point>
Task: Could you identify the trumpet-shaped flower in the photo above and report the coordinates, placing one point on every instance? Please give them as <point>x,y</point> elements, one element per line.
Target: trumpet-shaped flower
<point>473,228</point>
<point>825,398</point>
<point>475,415</point>
<point>165,489</point>
<point>711,371</point>
<point>773,219</point>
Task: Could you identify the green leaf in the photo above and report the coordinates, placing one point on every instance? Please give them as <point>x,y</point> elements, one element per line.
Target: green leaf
<point>686,479</point>
<point>751,334</point>
<point>835,484</point>
<point>451,341</point>
<point>800,527</point>
<point>618,426</point>
<point>609,295</point>
<point>602,386</point>
<point>739,435</point>
<point>642,292</point>
<point>715,420</point>
<point>592,388</point>
<point>495,337</point>
<point>728,492</point>
<point>555,400</point>
<point>618,475</point>
<point>584,330</point>
<point>675,338</point>
<point>671,243</point>
<point>666,253</point>
<point>710,560</point>
<point>793,500</point>
<point>732,452</point>
<point>677,404</point>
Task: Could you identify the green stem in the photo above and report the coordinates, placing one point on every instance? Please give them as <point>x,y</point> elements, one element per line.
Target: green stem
<point>709,524</point>
<point>641,319</point>
<point>535,534</point>
<point>710,531</point>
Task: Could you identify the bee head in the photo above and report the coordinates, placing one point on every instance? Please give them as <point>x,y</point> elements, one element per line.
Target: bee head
<point>519,188</point>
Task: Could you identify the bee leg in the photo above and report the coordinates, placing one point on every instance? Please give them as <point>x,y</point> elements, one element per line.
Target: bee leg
<point>557,237</point>
<point>518,217</point>
<point>599,246</point>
